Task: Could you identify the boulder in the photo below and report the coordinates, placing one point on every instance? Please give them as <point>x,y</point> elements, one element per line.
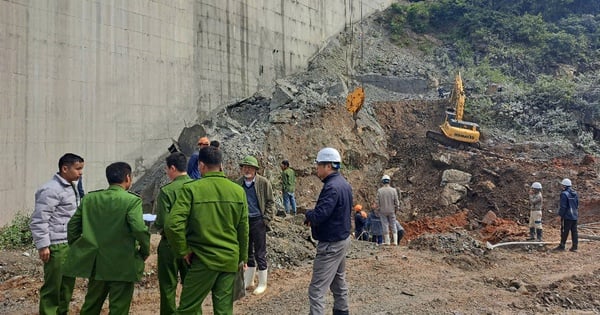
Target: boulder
<point>283,116</point>
<point>452,193</point>
<point>456,177</point>
<point>440,159</point>
<point>489,218</point>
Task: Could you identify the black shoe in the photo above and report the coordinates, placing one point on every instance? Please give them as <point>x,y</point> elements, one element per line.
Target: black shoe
<point>573,250</point>
<point>559,248</point>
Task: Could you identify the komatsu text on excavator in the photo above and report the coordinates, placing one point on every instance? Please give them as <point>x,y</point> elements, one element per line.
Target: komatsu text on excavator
<point>455,131</point>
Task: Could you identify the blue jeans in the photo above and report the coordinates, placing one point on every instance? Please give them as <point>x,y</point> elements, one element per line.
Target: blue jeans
<point>289,201</point>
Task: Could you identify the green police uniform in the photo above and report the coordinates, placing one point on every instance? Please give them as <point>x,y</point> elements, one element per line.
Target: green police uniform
<point>169,264</point>
<point>210,220</point>
<point>108,244</point>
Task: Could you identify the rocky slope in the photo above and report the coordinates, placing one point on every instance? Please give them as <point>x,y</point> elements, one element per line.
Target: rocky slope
<point>453,201</point>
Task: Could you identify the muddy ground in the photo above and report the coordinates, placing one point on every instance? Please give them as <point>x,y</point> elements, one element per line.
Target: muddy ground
<point>442,265</point>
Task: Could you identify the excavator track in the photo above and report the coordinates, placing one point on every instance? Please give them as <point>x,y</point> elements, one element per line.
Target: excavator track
<point>439,137</point>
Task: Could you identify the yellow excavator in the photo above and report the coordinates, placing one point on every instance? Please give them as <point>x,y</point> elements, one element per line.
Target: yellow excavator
<point>455,131</point>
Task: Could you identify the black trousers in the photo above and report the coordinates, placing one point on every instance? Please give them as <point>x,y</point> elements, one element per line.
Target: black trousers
<point>257,246</point>
<point>565,227</point>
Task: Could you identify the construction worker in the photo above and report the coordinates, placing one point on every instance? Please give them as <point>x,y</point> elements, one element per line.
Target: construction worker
<point>535,215</point>
<point>360,221</point>
<point>169,264</point>
<point>55,203</point>
<point>569,214</point>
<point>288,187</point>
<point>192,167</point>
<point>388,203</point>
<point>109,243</point>
<point>330,225</point>
<point>208,227</point>
<point>261,206</point>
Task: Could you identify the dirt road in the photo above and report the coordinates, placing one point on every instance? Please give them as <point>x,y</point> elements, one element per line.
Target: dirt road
<point>449,273</point>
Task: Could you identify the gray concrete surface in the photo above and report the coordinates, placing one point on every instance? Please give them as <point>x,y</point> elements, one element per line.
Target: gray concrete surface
<point>115,80</point>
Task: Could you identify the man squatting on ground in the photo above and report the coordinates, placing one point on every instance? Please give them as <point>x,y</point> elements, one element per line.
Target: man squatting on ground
<point>109,243</point>
<point>330,226</point>
<point>208,227</point>
<point>55,204</point>
<point>261,206</point>
<point>169,264</point>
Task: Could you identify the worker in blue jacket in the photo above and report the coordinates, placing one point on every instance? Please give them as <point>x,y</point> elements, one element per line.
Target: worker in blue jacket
<point>569,214</point>
<point>330,224</point>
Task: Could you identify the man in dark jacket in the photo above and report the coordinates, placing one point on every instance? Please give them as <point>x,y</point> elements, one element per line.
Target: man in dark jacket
<point>569,214</point>
<point>330,225</point>
<point>192,167</point>
<point>360,221</point>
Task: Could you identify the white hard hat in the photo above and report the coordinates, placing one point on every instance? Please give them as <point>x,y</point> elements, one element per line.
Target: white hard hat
<point>329,155</point>
<point>566,182</point>
<point>536,185</point>
<point>385,178</point>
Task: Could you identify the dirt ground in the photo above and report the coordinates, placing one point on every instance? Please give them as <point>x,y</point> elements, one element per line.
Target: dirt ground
<point>446,273</point>
<point>442,265</point>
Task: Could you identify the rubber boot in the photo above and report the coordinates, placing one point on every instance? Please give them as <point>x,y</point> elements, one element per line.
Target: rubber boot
<point>338,312</point>
<point>395,239</point>
<point>249,277</point>
<point>262,282</point>
<point>531,234</point>
<point>539,235</point>
<point>386,239</point>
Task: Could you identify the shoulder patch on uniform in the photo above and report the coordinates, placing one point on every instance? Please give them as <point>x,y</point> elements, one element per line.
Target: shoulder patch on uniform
<point>167,184</point>
<point>133,193</point>
<point>191,181</point>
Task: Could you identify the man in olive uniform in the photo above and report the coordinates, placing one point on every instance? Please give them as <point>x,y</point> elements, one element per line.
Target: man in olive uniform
<point>109,243</point>
<point>55,203</point>
<point>208,227</point>
<point>169,264</point>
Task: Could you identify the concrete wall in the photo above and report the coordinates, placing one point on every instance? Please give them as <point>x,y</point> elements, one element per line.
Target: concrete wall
<point>117,79</point>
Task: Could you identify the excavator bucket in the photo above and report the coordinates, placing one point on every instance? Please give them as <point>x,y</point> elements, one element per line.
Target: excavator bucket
<point>355,100</point>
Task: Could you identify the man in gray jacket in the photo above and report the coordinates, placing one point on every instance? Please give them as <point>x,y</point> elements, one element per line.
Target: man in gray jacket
<point>387,200</point>
<point>55,203</point>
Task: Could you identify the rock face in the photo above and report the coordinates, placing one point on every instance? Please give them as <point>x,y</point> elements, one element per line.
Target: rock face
<point>305,112</point>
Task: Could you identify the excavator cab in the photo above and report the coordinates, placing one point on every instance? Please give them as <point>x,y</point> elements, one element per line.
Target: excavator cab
<point>457,132</point>
<point>460,130</point>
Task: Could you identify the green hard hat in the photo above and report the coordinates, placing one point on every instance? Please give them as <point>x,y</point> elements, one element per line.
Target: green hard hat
<point>250,161</point>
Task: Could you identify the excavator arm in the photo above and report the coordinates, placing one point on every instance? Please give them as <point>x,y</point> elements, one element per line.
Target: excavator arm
<point>457,97</point>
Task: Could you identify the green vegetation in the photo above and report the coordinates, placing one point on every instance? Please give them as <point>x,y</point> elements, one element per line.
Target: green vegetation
<point>546,55</point>
<point>511,35</point>
<point>16,235</point>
